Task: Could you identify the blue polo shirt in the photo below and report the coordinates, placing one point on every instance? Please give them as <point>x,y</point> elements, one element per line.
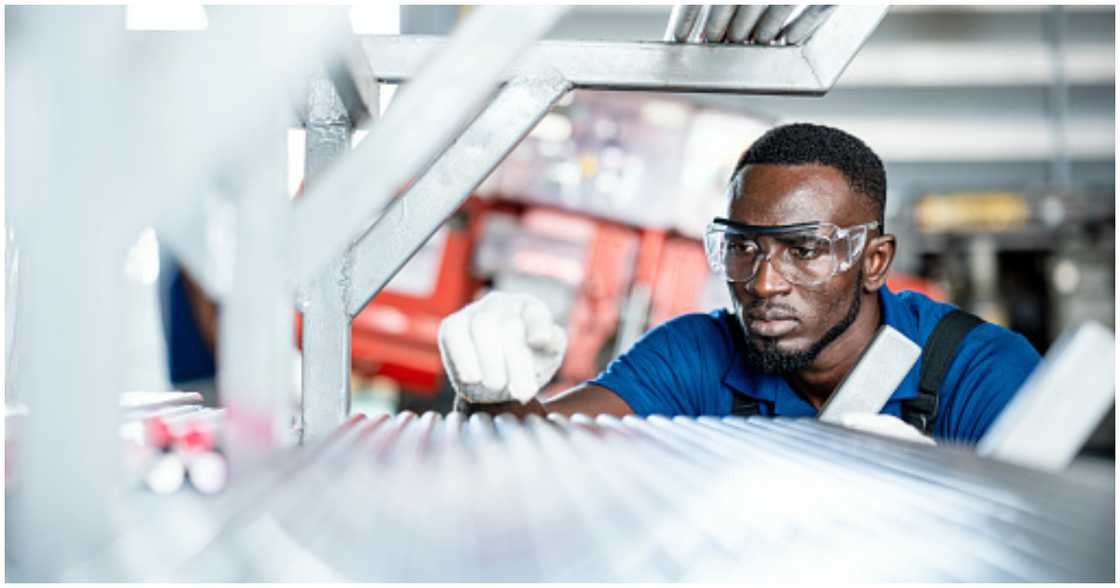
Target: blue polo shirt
<point>692,365</point>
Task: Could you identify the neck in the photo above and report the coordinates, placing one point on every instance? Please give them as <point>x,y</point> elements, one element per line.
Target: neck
<point>817,382</point>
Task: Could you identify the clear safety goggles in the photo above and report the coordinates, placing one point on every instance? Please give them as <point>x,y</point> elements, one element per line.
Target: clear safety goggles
<point>806,254</point>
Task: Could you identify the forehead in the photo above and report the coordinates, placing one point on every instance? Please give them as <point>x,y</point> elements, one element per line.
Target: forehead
<point>785,194</point>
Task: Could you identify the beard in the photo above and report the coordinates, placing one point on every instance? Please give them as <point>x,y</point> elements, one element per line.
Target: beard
<point>766,357</point>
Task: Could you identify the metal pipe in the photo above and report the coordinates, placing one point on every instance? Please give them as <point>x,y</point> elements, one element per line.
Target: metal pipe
<point>771,22</point>
<point>916,499</point>
<point>410,220</point>
<point>801,28</point>
<point>696,36</point>
<point>681,22</point>
<point>325,373</point>
<point>744,21</point>
<point>719,18</point>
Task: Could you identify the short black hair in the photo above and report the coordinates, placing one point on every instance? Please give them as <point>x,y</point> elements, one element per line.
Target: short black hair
<point>804,143</point>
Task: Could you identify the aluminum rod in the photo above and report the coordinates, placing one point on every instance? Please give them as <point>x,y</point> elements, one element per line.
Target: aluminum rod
<point>411,219</point>
<point>719,19</point>
<point>771,22</point>
<point>325,397</point>
<point>744,21</point>
<point>681,22</point>
<point>967,507</point>
<point>917,501</point>
<point>648,67</point>
<point>426,115</point>
<point>806,23</point>
<point>696,36</point>
<point>410,498</point>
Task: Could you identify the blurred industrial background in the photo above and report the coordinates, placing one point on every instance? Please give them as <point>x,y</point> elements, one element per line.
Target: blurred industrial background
<point>996,125</point>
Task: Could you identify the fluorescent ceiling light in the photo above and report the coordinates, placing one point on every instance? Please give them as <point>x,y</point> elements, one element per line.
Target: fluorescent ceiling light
<point>376,18</point>
<point>165,17</point>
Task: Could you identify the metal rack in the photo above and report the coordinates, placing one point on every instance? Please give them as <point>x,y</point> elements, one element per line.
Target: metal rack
<point>824,42</point>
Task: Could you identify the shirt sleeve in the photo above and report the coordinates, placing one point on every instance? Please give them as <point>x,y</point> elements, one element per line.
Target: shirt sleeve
<point>667,371</point>
<point>989,368</point>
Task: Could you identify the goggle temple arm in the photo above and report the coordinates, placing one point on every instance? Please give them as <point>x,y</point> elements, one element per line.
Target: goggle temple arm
<point>857,239</point>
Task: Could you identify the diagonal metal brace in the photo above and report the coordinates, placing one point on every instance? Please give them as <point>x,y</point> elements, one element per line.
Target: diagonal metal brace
<point>410,220</point>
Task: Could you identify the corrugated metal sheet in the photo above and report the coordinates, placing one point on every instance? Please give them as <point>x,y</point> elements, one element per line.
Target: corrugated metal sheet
<point>451,499</point>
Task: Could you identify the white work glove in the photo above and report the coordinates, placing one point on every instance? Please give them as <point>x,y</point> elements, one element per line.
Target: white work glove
<point>502,347</point>
<point>885,425</point>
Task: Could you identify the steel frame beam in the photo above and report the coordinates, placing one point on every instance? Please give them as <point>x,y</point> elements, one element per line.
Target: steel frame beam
<point>808,69</point>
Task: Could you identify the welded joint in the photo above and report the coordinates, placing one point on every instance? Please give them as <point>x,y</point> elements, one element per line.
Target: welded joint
<point>356,84</point>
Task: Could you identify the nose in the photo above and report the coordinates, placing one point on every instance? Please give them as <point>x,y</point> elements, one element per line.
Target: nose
<point>767,282</point>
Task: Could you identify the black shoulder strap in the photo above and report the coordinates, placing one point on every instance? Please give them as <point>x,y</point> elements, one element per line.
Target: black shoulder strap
<point>743,405</point>
<point>937,356</point>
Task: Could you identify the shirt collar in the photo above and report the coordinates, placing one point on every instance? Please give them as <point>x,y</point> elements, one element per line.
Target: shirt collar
<point>740,377</point>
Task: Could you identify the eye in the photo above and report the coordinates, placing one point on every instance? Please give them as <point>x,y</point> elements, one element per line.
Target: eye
<point>741,247</point>
<point>806,251</point>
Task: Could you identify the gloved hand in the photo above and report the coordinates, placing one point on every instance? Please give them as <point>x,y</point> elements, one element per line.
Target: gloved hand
<point>500,348</point>
<point>885,425</point>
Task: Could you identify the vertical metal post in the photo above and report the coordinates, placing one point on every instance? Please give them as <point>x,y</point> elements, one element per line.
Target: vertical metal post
<point>256,355</point>
<point>66,453</point>
<point>326,323</point>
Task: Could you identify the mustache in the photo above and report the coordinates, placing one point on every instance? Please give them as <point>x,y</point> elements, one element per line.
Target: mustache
<point>762,310</point>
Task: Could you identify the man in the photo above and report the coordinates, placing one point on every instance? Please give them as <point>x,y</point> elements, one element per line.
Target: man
<point>805,256</point>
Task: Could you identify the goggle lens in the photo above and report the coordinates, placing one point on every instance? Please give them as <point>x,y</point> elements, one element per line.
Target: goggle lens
<point>806,254</point>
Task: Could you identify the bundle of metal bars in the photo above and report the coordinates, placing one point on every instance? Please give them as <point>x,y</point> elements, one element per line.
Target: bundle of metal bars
<point>441,499</point>
<point>752,24</point>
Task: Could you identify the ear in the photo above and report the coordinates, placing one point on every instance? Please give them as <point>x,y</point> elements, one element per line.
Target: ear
<point>877,258</point>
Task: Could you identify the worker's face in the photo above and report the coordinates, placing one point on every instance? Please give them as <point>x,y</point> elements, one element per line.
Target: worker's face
<point>788,325</point>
